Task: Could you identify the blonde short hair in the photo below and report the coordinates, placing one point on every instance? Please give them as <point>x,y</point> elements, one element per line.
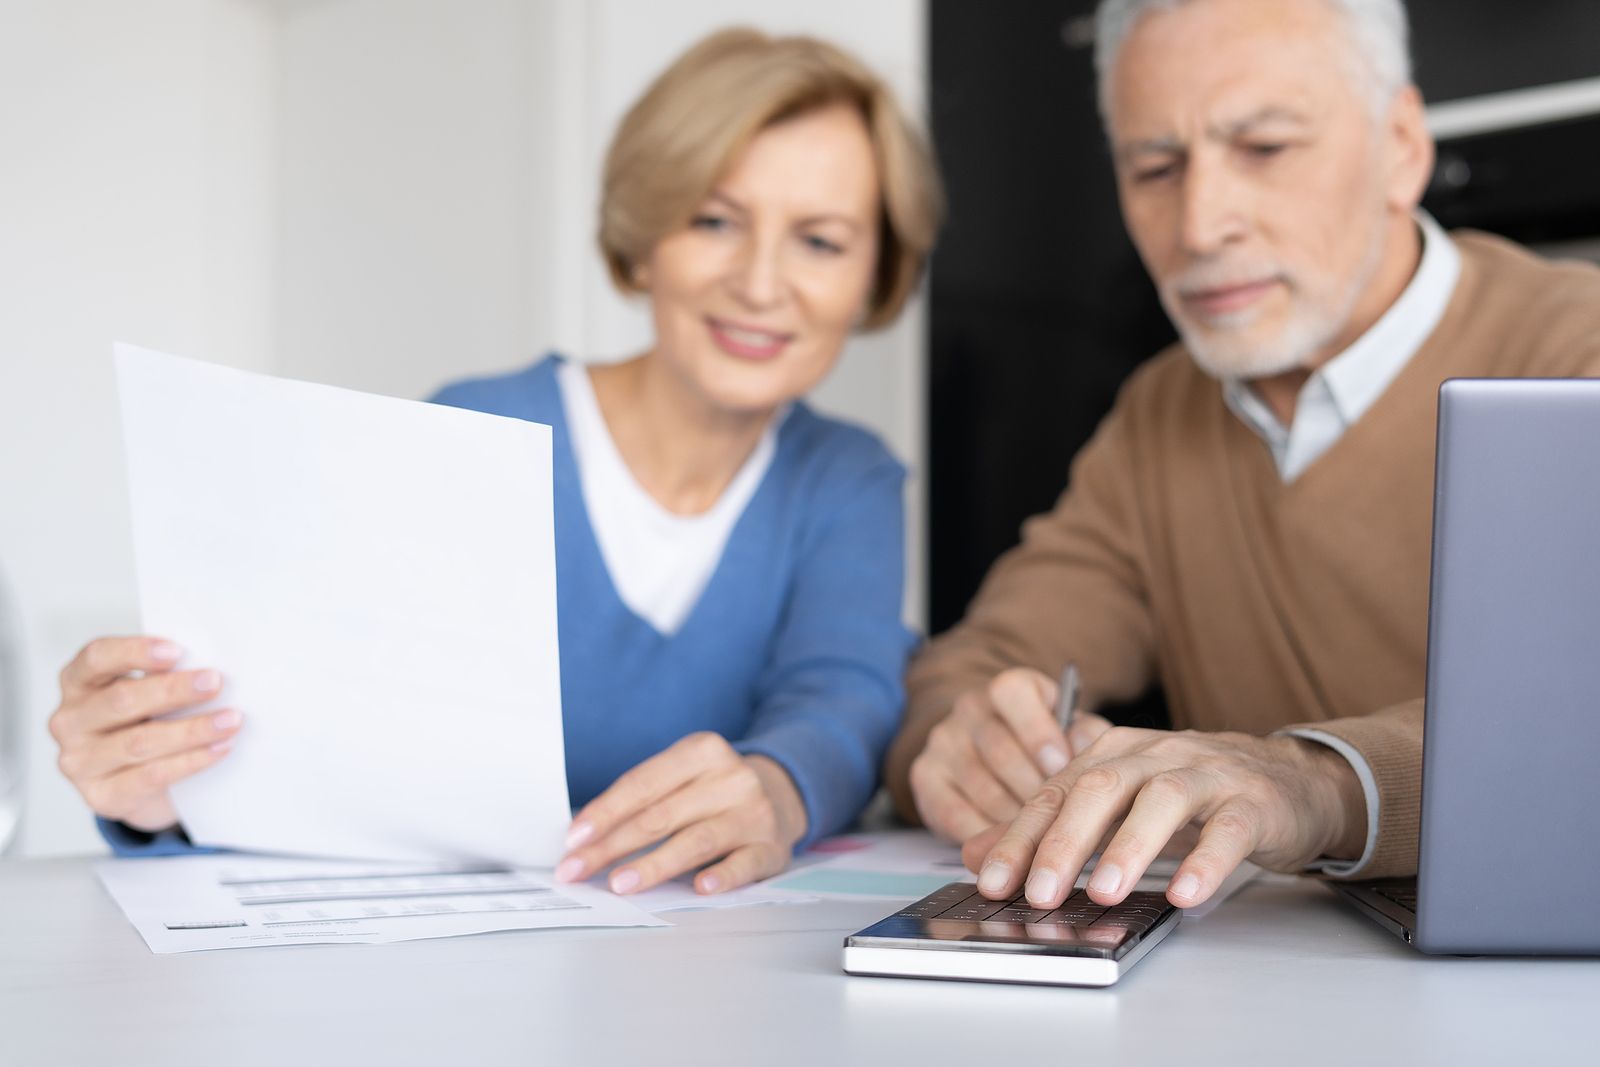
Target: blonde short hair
<point>681,136</point>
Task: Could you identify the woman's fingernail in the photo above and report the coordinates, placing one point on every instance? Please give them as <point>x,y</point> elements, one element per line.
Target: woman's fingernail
<point>166,652</point>
<point>1106,878</point>
<point>710,883</point>
<point>207,681</point>
<point>226,720</point>
<point>221,746</point>
<point>569,869</point>
<point>1187,886</point>
<point>1042,887</point>
<point>1051,759</point>
<point>994,877</point>
<point>625,880</point>
<point>579,833</point>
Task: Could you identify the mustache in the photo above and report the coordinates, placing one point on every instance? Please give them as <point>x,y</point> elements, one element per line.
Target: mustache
<point>1209,277</point>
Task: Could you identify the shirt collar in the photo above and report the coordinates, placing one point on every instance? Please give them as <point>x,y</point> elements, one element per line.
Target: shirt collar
<point>1356,377</point>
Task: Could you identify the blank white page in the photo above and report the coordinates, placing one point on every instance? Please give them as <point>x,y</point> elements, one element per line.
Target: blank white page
<point>375,579</point>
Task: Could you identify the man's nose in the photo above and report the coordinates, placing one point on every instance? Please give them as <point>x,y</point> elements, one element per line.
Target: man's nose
<point>1215,208</point>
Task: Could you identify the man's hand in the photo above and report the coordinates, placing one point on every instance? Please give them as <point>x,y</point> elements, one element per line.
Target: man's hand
<point>708,802</point>
<point>115,749</point>
<point>992,752</point>
<point>1278,801</point>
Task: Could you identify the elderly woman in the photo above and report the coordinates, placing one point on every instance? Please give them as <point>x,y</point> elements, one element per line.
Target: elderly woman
<point>729,562</point>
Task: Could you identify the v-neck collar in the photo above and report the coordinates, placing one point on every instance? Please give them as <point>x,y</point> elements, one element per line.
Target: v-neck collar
<point>566,463</point>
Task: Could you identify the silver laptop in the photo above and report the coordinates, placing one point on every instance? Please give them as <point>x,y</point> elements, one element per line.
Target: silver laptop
<point>1510,848</point>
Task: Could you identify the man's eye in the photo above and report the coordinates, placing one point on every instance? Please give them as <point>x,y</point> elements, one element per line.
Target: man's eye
<point>1265,150</point>
<point>1154,174</point>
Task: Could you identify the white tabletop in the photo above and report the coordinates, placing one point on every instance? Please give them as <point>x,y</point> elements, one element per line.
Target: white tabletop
<point>1282,972</point>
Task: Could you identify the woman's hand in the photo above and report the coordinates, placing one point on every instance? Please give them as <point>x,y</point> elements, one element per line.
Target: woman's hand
<point>708,802</point>
<point>114,750</point>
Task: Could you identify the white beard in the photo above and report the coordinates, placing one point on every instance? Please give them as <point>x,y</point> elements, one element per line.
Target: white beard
<point>1223,350</point>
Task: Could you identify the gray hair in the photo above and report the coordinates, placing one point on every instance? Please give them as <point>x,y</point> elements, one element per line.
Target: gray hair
<point>1379,41</point>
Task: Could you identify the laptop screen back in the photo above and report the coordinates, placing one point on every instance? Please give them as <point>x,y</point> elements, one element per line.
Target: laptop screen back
<point>1510,853</point>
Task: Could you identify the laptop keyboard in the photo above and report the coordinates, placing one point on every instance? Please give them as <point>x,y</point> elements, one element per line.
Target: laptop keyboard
<point>1404,894</point>
<point>1129,920</point>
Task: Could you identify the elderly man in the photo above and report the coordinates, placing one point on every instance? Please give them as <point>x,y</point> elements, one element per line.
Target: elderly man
<point>1250,526</point>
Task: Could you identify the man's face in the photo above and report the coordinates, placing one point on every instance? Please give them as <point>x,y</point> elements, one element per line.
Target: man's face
<point>1258,185</point>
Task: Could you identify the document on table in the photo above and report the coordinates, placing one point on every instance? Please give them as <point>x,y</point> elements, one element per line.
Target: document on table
<point>190,903</point>
<point>891,865</point>
<point>375,580</point>
<point>679,895</point>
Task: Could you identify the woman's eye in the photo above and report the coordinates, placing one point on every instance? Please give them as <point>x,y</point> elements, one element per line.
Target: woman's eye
<point>823,245</point>
<point>710,223</point>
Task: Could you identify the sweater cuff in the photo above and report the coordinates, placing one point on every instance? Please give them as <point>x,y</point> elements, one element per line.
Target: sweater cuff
<point>126,841</point>
<point>1389,742</point>
<point>1369,788</point>
<point>834,781</point>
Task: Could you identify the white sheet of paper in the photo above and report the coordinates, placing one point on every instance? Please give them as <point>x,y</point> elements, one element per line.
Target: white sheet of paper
<point>190,903</point>
<point>375,579</point>
<point>892,865</point>
<point>679,895</point>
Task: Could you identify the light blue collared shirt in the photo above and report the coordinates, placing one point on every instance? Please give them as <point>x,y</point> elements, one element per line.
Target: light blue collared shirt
<point>1330,402</point>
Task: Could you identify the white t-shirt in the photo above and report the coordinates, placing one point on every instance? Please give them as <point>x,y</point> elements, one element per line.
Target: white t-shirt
<point>659,562</point>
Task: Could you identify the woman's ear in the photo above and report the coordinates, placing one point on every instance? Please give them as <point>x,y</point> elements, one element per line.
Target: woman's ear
<point>639,274</point>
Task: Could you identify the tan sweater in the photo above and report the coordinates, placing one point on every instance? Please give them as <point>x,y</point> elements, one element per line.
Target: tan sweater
<point>1178,555</point>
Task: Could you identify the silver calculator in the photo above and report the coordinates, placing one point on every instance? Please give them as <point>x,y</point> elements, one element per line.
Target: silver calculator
<point>958,933</point>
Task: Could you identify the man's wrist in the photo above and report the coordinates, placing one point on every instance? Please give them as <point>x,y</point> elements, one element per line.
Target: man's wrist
<point>1341,799</point>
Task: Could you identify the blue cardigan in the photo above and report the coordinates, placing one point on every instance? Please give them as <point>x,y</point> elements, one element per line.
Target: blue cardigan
<point>794,651</point>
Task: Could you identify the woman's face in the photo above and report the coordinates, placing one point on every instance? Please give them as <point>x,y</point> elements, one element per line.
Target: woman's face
<point>754,299</point>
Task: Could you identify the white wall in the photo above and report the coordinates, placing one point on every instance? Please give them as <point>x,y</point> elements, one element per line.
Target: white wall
<point>418,175</point>
<point>382,194</point>
<point>136,203</point>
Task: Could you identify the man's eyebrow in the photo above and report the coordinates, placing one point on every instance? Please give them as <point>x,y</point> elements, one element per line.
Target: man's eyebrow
<point>1149,146</point>
<point>1271,113</point>
<point>1222,131</point>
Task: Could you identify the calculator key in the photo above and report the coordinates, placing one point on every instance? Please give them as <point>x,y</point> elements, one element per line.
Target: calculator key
<point>1015,914</point>
<point>979,908</point>
<point>939,900</point>
<point>1072,916</point>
